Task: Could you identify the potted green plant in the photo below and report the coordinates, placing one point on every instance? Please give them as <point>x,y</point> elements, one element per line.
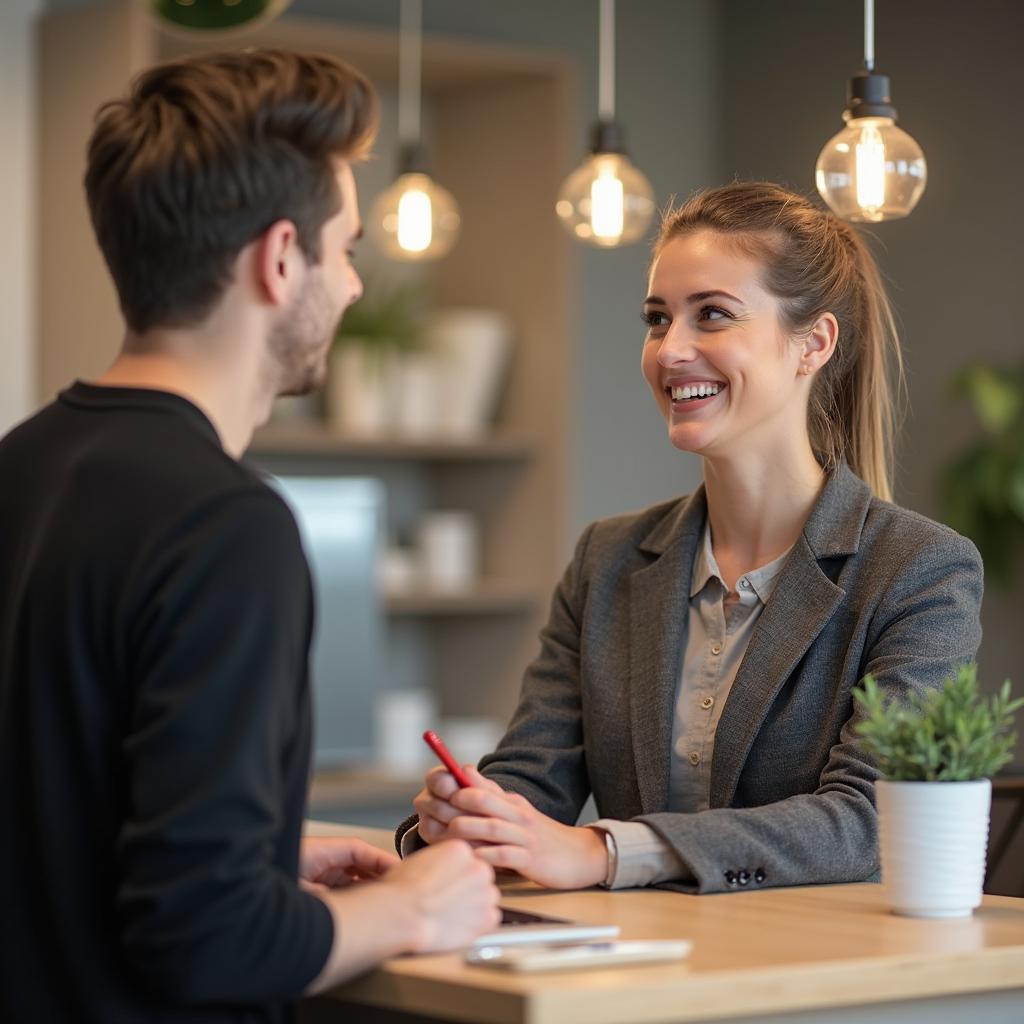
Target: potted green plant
<point>937,753</point>
<point>983,485</point>
<point>373,351</point>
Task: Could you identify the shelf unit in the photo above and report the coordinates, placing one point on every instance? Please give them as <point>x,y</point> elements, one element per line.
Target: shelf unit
<point>500,123</point>
<point>316,438</point>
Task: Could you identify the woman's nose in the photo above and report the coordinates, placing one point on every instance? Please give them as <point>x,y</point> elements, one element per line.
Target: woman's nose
<point>678,346</point>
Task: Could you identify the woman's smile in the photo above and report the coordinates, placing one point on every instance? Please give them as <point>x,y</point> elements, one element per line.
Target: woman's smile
<point>689,395</point>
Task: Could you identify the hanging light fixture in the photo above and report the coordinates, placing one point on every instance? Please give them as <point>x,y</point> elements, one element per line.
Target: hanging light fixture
<point>415,219</point>
<point>871,170</point>
<point>606,202</point>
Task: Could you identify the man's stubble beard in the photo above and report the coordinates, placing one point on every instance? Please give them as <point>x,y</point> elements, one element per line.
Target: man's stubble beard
<point>298,345</point>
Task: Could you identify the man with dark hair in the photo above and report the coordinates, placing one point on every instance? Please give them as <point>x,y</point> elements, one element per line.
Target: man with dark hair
<point>155,604</point>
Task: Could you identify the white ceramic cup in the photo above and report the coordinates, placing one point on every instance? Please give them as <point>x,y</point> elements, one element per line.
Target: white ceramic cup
<point>402,718</point>
<point>448,547</point>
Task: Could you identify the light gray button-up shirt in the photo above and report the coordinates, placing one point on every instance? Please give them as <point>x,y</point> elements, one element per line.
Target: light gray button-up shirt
<point>719,627</point>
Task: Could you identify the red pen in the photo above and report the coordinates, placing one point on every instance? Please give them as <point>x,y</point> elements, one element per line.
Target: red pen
<point>435,744</point>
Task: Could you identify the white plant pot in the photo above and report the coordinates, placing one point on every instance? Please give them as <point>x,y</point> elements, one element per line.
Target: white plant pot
<point>363,390</point>
<point>933,837</point>
<point>472,347</point>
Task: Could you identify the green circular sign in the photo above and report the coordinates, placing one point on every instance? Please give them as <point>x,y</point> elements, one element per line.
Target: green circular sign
<point>203,15</point>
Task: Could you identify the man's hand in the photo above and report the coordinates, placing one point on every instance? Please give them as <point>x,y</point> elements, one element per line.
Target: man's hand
<point>332,862</point>
<point>438,899</point>
<point>450,893</point>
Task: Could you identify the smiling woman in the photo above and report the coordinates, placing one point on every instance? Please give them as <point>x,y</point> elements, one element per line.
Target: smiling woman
<point>696,671</point>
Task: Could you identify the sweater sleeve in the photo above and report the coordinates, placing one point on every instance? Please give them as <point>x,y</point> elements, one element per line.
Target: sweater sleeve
<point>221,624</point>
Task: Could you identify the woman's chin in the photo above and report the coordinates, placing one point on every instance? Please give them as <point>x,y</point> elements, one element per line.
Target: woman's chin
<point>686,438</point>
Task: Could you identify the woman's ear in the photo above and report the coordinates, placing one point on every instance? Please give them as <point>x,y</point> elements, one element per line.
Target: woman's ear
<point>278,260</point>
<point>819,343</point>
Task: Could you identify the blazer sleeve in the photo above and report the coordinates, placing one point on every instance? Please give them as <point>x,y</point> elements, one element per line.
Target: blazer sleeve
<point>926,623</point>
<point>541,755</point>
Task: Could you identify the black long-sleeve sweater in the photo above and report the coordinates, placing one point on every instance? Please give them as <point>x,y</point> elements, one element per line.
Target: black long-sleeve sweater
<point>155,622</point>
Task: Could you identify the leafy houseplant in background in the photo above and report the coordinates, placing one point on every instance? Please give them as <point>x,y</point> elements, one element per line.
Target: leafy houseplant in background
<point>983,486</point>
<point>374,351</point>
<point>937,754</point>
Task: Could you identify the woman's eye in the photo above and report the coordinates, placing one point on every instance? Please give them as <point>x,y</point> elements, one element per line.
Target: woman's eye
<point>654,319</point>
<point>713,313</point>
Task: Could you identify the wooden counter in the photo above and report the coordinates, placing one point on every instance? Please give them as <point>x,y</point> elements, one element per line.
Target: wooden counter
<point>756,955</point>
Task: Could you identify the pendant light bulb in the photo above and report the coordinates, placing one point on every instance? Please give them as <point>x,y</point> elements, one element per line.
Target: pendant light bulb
<point>872,170</point>
<point>606,201</point>
<point>415,220</point>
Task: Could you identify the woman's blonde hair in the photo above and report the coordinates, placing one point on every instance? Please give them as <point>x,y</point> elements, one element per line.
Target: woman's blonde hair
<point>815,263</point>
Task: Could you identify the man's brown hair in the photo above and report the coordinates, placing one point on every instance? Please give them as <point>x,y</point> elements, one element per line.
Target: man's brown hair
<point>203,155</point>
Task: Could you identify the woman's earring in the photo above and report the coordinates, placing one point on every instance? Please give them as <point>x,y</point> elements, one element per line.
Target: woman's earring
<point>805,369</point>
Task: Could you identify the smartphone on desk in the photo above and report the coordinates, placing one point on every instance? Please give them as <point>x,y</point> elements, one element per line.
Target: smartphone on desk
<point>523,928</point>
<point>571,957</point>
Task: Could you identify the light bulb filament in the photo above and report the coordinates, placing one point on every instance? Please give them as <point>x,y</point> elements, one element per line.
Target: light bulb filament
<point>415,220</point>
<point>606,205</point>
<point>870,169</point>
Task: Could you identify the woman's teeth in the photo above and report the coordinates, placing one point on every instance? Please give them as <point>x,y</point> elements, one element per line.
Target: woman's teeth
<point>691,391</point>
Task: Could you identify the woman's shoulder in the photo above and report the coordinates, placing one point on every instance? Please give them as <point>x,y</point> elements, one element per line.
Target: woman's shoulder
<point>911,533</point>
<point>907,543</point>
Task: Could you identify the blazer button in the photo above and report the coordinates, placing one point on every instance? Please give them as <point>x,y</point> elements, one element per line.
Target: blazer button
<point>743,877</point>
<point>730,877</point>
<point>759,875</point>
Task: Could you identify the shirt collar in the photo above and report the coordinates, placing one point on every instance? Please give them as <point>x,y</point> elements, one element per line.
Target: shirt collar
<point>762,580</point>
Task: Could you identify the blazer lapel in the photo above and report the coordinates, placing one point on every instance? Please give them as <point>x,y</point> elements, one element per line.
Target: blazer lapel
<point>659,606</point>
<point>803,601</point>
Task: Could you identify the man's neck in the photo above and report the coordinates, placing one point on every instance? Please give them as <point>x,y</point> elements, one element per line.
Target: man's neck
<point>231,392</point>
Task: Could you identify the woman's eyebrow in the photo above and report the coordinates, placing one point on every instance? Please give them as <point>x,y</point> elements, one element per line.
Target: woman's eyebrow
<point>654,300</point>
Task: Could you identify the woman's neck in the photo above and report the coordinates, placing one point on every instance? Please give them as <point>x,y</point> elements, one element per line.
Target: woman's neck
<point>757,507</point>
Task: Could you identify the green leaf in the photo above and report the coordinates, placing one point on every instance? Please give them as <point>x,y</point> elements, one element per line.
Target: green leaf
<point>948,733</point>
<point>995,397</point>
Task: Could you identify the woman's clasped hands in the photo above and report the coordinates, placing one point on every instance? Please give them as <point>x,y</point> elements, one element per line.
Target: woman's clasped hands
<point>508,832</point>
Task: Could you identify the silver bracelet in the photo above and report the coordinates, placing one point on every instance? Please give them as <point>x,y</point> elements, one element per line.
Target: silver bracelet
<point>613,855</point>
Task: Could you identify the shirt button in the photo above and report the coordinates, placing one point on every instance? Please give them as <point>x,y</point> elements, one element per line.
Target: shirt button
<point>743,877</point>
<point>716,648</point>
<point>695,758</point>
<point>707,702</point>
<point>744,583</point>
<point>759,875</point>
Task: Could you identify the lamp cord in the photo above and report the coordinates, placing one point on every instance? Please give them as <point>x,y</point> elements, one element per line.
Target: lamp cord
<point>410,44</point>
<point>869,35</point>
<point>606,62</point>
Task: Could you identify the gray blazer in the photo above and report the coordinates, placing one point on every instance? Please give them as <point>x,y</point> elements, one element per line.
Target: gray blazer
<point>868,587</point>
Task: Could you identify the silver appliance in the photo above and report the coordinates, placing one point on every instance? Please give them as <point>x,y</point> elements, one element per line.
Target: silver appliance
<point>340,522</point>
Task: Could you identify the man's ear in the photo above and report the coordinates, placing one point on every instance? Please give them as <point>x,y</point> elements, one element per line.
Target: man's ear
<point>819,343</point>
<point>278,262</point>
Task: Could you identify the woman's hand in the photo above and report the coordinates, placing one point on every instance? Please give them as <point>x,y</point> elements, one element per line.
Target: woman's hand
<point>331,862</point>
<point>507,831</point>
<point>433,803</point>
